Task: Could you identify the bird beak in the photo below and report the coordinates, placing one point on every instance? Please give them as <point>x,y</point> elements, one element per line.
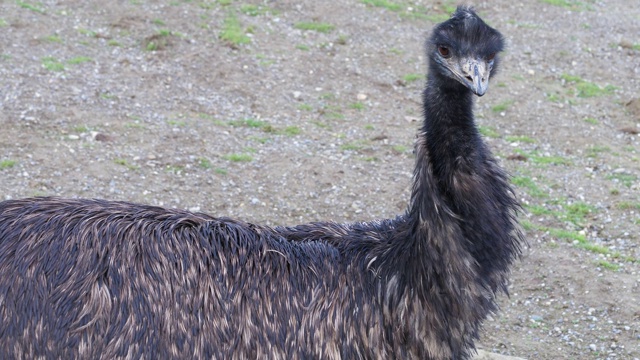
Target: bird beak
<point>475,75</point>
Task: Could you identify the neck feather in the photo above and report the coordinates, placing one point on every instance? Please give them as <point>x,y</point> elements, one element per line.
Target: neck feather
<point>461,199</point>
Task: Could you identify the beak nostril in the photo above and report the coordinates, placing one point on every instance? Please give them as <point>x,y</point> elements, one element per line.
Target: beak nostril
<point>469,78</point>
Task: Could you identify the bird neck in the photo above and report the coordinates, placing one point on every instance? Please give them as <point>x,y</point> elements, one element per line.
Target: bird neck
<point>449,128</point>
<point>462,208</point>
<point>449,143</point>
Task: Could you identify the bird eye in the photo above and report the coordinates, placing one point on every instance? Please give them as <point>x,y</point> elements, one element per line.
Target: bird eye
<point>491,57</point>
<point>444,51</point>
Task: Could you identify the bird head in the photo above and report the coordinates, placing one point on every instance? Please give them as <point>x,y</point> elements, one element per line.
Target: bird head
<point>465,49</point>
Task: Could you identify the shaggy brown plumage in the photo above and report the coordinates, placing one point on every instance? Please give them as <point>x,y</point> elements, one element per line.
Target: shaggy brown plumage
<point>103,279</point>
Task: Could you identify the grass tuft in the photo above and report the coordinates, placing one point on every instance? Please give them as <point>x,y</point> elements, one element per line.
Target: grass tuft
<point>532,188</point>
<point>239,157</point>
<point>315,26</point>
<point>383,4</point>
<point>409,78</point>
<point>204,163</point>
<point>607,265</point>
<point>232,31</point>
<point>586,89</point>
<point>520,138</point>
<point>488,132</point>
<point>503,106</point>
<point>79,60</point>
<point>52,64</point>
<point>6,164</point>
<point>34,8</point>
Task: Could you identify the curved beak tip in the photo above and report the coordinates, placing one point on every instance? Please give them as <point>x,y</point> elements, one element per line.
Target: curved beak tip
<point>476,76</point>
<point>480,90</point>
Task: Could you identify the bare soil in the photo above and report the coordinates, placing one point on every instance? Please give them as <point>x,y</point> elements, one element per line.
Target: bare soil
<point>147,101</point>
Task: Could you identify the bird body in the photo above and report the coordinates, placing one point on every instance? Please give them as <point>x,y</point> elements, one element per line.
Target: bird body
<point>93,278</point>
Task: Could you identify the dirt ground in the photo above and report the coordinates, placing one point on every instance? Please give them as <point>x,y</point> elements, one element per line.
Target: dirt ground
<point>283,112</point>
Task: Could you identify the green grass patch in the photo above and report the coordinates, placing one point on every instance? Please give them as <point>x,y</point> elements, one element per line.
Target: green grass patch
<point>554,97</point>
<point>626,205</point>
<point>204,163</point>
<point>520,138</point>
<point>255,10</point>
<point>221,171</point>
<point>595,150</point>
<point>28,6</point>
<point>575,237</point>
<point>435,17</point>
<point>177,123</point>
<point>591,121</point>
<point>530,185</point>
<point>586,89</point>
<point>571,78</point>
<point>53,39</point>
<point>503,106</point>
<point>538,210</point>
<point>239,157</point>
<point>351,147</point>
<point>175,169</point>
<point>626,179</point>
<point>303,47</point>
<point>594,248</point>
<point>607,265</point>
<point>80,129</point>
<point>232,31</point>
<point>6,164</point>
<point>320,124</point>
<point>305,107</point>
<point>3,23</point>
<point>536,158</point>
<point>357,106</point>
<point>576,213</point>
<point>383,4</point>
<point>488,132</point>
<point>567,235</point>
<point>399,148</point>
<point>569,4</point>
<point>409,78</point>
<point>134,125</point>
<point>291,131</point>
<point>249,122</point>
<point>431,14</point>
<point>87,32</point>
<point>125,163</point>
<point>79,60</point>
<point>52,64</point>
<point>527,225</point>
<point>160,40</point>
<point>315,26</point>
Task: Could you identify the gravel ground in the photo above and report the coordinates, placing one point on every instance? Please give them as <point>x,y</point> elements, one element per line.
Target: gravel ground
<point>231,108</point>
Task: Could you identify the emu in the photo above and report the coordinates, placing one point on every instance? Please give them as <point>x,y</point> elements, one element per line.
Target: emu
<point>87,279</point>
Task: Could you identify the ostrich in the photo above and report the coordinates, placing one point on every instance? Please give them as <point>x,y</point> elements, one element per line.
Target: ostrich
<point>92,279</point>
